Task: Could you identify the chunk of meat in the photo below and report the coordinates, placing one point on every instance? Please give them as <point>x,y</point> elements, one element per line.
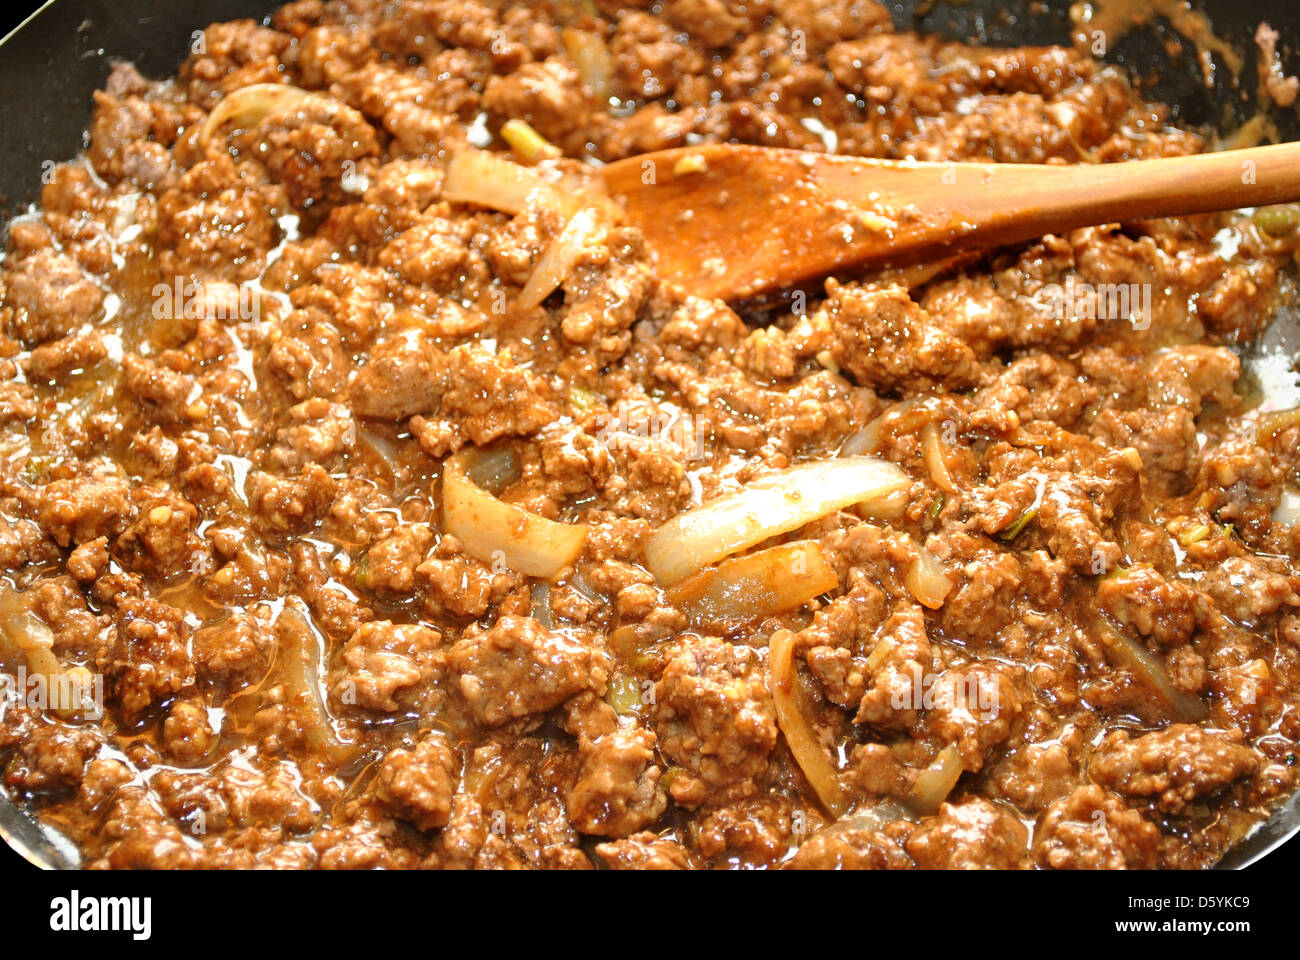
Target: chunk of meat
<point>894,694</point>
<point>234,651</point>
<point>311,147</point>
<point>1248,589</point>
<point>293,503</point>
<point>48,297</point>
<point>844,846</point>
<point>417,784</point>
<point>405,374</point>
<point>975,835</point>
<point>715,716</point>
<point>1092,829</point>
<point>1174,766</point>
<point>617,792</point>
<point>82,509</point>
<point>518,667</point>
<point>973,707</point>
<point>1246,486</point>
<point>318,432</point>
<point>57,359</point>
<point>488,397</point>
<point>890,344</point>
<point>548,96</point>
<point>147,659</point>
<point>645,851</point>
<point>51,759</point>
<point>385,667</point>
<point>1152,605</point>
<point>391,564</point>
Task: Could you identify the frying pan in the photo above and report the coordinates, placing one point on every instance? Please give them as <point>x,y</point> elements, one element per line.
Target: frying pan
<point>52,63</point>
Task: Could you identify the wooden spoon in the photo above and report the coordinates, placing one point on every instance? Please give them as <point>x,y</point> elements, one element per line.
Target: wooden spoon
<point>733,221</point>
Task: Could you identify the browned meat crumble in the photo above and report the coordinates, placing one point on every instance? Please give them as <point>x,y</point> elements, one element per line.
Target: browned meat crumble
<point>244,351</point>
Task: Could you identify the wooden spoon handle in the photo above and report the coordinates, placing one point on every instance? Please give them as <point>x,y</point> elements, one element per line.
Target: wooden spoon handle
<point>987,203</point>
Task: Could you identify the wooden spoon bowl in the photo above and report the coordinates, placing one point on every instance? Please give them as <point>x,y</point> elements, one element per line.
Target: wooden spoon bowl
<point>734,221</point>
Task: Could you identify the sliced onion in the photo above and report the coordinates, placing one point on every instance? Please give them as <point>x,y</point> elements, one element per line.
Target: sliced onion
<point>899,419</point>
<point>489,180</point>
<point>863,443</point>
<point>491,530</point>
<point>248,105</point>
<point>934,461</point>
<point>559,257</point>
<point>772,505</point>
<point>494,470</point>
<point>34,640</point>
<point>1274,422</point>
<point>298,668</point>
<point>798,732</point>
<point>926,581</point>
<point>1128,654</point>
<point>591,56</point>
<point>756,585</point>
<point>1288,508</point>
<point>889,508</point>
<point>936,781</point>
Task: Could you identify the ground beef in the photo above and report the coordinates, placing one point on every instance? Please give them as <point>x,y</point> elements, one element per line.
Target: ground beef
<point>715,716</point>
<point>85,508</point>
<point>235,357</point>
<point>147,660</point>
<point>976,835</point>
<point>644,851</point>
<point>518,667</point>
<point>848,848</point>
<point>235,651</point>
<point>406,374</point>
<point>54,361</point>
<point>617,792</point>
<point>1174,765</point>
<point>417,784</point>
<point>888,342</point>
<point>384,666</point>
<point>1094,830</point>
<point>48,296</point>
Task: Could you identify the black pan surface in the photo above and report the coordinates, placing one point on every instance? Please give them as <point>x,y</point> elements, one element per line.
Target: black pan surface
<point>53,62</point>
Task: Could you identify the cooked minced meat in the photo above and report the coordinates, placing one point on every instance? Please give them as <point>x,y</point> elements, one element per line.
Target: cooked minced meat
<point>340,489</point>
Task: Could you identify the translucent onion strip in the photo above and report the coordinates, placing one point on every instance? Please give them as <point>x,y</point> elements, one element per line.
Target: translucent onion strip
<point>492,531</point>
<point>936,781</point>
<point>765,508</point>
<point>926,581</point>
<point>798,732</point>
<point>756,585</point>
<point>591,56</point>
<point>934,461</point>
<point>1133,656</point>
<point>249,105</point>
<point>489,180</point>
<point>1274,422</point>
<point>69,690</point>
<point>559,257</point>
